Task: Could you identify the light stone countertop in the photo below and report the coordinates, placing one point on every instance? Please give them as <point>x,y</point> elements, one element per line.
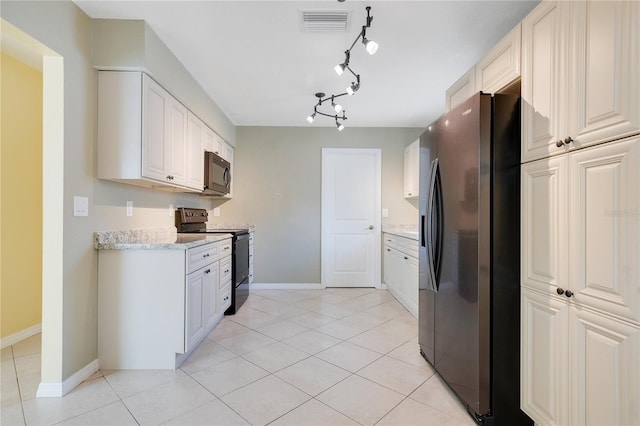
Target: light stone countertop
<point>407,231</point>
<point>152,239</point>
<point>213,226</point>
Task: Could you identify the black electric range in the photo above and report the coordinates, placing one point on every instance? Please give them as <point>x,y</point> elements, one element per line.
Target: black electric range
<point>194,221</point>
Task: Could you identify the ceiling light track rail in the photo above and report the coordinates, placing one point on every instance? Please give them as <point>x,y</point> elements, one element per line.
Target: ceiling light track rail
<point>371,47</point>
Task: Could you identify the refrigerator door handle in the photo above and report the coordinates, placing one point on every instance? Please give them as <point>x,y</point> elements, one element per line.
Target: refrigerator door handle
<point>429,225</point>
<point>437,259</point>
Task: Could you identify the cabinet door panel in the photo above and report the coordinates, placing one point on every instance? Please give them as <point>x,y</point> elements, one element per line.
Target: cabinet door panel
<point>543,366</point>
<point>193,310</point>
<point>544,219</point>
<point>195,153</point>
<point>461,90</point>
<point>605,370</point>
<point>177,134</point>
<point>210,294</point>
<point>606,81</point>
<point>605,227</point>
<point>501,66</point>
<point>541,71</point>
<point>154,150</point>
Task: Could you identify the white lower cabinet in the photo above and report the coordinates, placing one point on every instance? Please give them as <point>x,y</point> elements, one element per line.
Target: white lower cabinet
<point>581,286</point>
<point>201,303</point>
<point>400,264</point>
<point>156,306</point>
<point>579,367</point>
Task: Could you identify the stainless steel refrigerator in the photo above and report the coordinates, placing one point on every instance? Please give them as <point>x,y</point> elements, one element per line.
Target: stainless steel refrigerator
<point>469,293</point>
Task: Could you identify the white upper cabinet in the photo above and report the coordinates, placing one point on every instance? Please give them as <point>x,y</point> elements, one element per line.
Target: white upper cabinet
<point>412,170</point>
<point>461,90</point>
<point>580,75</point>
<point>501,66</point>
<point>145,135</point>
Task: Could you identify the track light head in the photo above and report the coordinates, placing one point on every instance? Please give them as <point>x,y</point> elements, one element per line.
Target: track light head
<point>353,88</point>
<point>340,126</point>
<point>336,107</point>
<point>311,117</point>
<point>370,45</point>
<point>340,68</point>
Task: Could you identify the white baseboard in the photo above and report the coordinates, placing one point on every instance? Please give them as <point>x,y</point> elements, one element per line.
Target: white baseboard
<point>14,338</point>
<point>286,286</point>
<point>57,390</point>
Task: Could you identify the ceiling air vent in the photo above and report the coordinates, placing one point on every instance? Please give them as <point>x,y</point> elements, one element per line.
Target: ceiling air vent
<point>325,20</point>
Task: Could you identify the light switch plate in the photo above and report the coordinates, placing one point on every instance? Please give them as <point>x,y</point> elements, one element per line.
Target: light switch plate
<point>216,211</point>
<point>129,208</point>
<point>80,206</point>
<point>171,210</point>
<point>385,212</point>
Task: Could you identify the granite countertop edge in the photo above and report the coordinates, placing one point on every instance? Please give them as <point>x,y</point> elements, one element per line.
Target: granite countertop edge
<point>152,239</point>
<point>406,231</point>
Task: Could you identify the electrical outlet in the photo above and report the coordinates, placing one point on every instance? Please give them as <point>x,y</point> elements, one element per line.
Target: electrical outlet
<point>129,208</point>
<point>216,211</point>
<point>171,210</point>
<point>80,206</point>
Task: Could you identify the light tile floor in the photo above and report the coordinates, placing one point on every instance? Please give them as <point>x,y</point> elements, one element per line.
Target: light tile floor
<point>288,357</point>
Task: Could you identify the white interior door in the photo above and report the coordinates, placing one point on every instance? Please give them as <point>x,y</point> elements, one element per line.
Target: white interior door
<point>351,199</point>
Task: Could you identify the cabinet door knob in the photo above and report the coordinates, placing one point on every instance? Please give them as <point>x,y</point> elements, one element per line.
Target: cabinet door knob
<point>207,271</point>
<point>406,258</point>
<point>370,226</point>
<point>388,249</point>
<point>559,143</point>
<point>568,140</point>
<point>568,293</point>
<point>560,290</point>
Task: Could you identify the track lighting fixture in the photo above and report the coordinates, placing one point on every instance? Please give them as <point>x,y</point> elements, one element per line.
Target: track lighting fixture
<point>371,47</point>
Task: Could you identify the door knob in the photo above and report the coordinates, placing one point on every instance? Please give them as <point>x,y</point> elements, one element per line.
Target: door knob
<point>371,227</point>
<point>560,290</point>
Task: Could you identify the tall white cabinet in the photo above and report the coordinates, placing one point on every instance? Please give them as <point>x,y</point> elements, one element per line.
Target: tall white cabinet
<point>580,75</point>
<point>580,358</point>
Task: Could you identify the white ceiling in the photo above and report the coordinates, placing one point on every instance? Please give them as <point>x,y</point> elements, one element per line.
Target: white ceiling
<point>256,63</point>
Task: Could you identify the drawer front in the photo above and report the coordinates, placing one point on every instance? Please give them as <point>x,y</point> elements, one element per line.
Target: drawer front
<point>224,298</point>
<point>200,256</point>
<point>225,271</point>
<point>407,246</point>
<point>224,248</point>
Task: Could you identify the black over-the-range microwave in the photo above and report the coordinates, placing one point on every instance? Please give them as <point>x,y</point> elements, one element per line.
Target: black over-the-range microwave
<point>217,175</point>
